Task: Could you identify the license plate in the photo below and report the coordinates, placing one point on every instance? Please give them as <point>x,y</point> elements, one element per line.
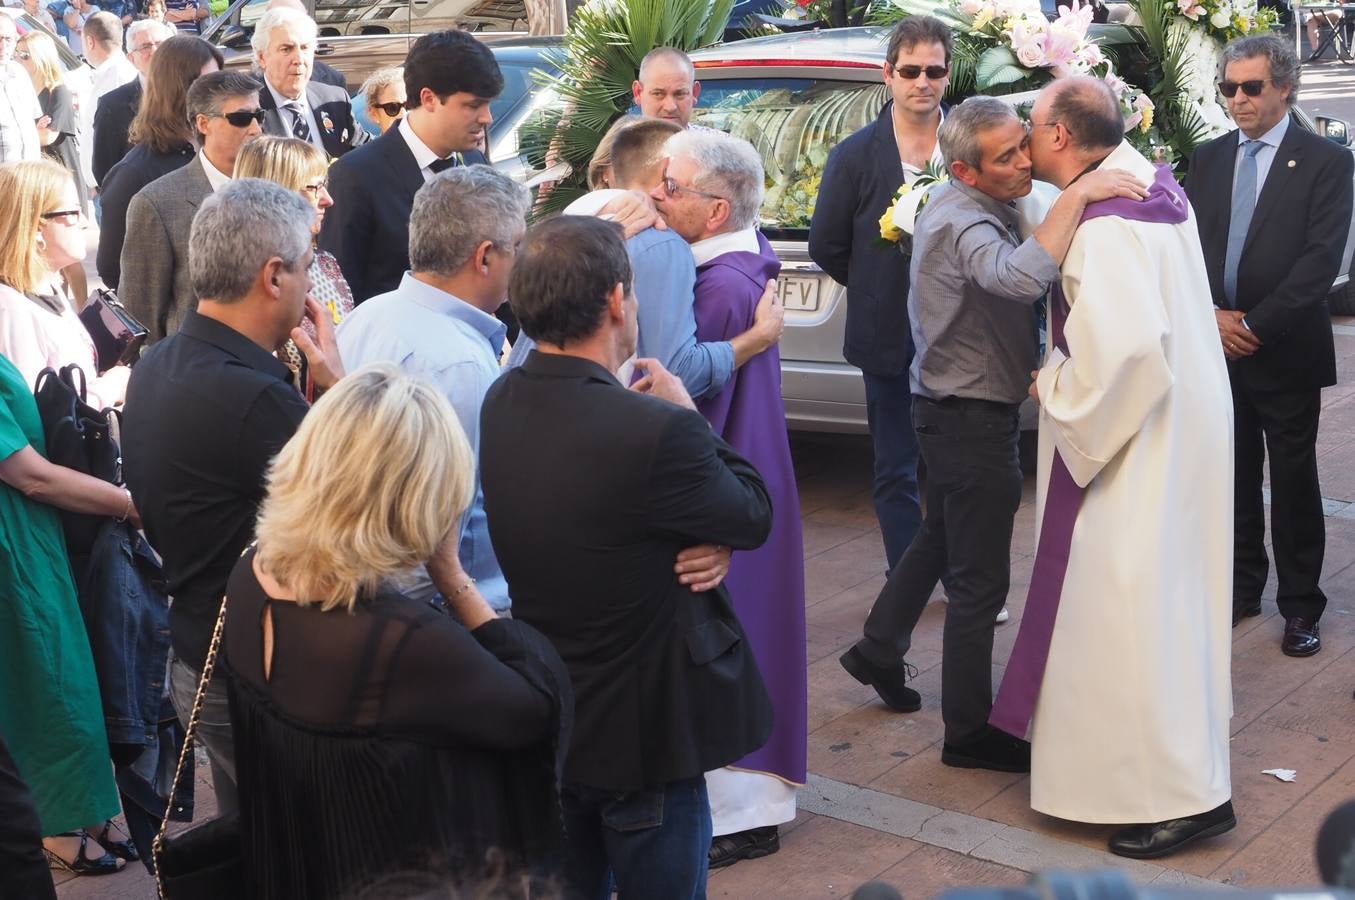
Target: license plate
<point>799,293</point>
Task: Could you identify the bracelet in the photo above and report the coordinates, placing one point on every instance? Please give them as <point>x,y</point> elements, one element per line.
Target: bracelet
<point>126,510</point>
<point>470,583</point>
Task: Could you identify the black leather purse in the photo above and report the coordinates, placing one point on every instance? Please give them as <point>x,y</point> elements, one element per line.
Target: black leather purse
<point>117,334</point>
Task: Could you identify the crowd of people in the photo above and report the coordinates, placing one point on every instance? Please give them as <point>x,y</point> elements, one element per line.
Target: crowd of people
<point>483,540</point>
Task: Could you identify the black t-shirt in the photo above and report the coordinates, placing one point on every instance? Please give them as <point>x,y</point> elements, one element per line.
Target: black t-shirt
<point>207,409</point>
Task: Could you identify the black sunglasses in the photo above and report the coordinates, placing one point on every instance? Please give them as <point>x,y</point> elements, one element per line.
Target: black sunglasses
<point>910,73</point>
<point>1250,88</point>
<point>393,109</point>
<point>241,117</point>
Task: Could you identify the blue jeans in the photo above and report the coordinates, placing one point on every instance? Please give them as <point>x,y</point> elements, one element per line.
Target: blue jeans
<point>889,412</point>
<point>652,844</point>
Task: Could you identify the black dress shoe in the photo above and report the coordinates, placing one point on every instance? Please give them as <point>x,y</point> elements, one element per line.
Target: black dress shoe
<point>888,683</point>
<point>1245,611</point>
<point>754,843</point>
<point>1300,637</point>
<point>1161,838</point>
<point>990,748</point>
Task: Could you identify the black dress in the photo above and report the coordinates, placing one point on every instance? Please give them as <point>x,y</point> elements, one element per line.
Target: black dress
<point>58,103</point>
<point>389,739</point>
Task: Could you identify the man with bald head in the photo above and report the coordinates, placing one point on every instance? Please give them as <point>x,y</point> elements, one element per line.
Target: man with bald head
<point>667,87</point>
<point>1120,673</point>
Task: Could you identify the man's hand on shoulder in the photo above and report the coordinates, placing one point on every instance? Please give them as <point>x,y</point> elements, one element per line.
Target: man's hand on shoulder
<point>322,354</point>
<point>703,567</point>
<point>634,212</point>
<point>1238,340</point>
<point>1103,184</point>
<point>661,383</point>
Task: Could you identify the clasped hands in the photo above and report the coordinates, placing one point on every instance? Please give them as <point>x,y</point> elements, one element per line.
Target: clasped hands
<point>1238,340</point>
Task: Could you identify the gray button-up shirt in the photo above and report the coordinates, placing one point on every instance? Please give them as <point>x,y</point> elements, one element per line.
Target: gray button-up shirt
<point>974,285</point>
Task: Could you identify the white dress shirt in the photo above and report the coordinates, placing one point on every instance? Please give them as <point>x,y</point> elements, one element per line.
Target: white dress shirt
<point>112,73</point>
<point>423,155</point>
<point>287,118</point>
<point>215,177</point>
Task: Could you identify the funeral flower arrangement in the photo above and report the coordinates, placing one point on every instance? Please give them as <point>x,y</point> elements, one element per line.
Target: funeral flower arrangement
<point>898,222</point>
<point>1224,20</point>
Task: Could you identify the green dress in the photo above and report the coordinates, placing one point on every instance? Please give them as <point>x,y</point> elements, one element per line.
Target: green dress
<point>50,712</point>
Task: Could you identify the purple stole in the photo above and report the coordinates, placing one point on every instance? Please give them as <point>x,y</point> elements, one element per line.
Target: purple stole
<point>1015,704</point>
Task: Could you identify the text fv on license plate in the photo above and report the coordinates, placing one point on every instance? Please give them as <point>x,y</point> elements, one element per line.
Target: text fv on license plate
<point>799,293</point>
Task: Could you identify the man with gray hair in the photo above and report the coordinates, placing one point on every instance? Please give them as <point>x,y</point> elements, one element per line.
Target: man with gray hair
<point>115,110</point>
<point>209,407</point>
<point>464,231</point>
<point>153,276</point>
<point>971,307</point>
<point>297,106</point>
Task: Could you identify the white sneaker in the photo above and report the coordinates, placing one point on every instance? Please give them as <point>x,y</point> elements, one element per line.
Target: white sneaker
<point>1003,616</point>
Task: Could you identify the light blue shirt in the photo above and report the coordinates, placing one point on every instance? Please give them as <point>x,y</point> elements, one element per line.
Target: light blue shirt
<point>1265,156</point>
<point>665,280</point>
<point>454,346</point>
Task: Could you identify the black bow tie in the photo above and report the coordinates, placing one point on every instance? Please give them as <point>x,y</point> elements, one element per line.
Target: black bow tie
<point>442,165</point>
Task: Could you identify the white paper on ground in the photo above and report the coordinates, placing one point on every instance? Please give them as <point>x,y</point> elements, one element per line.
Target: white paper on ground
<point>1282,774</point>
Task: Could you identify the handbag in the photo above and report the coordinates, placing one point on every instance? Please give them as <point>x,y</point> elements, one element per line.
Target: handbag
<point>206,862</point>
<point>116,333</point>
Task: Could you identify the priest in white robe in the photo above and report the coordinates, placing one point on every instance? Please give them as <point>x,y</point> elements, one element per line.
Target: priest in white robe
<point>1120,674</point>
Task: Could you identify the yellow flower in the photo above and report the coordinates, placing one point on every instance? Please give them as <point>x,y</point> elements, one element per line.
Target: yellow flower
<point>888,230</point>
<point>984,16</point>
<point>1147,121</point>
<point>1243,24</point>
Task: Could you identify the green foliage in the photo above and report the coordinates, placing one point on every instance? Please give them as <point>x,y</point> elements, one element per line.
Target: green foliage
<point>598,62</point>
<point>996,66</point>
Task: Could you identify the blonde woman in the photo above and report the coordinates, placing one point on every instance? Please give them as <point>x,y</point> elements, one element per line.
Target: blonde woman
<point>384,91</point>
<point>444,730</point>
<point>300,166</point>
<point>42,231</point>
<point>59,134</point>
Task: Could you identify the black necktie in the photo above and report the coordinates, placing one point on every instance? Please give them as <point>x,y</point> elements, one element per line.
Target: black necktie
<point>442,165</point>
<point>301,130</point>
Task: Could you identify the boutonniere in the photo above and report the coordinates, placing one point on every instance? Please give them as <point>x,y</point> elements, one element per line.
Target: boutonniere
<point>898,221</point>
<point>327,122</point>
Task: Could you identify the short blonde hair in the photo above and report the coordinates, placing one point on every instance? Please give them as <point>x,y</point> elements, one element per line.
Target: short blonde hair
<point>27,190</point>
<point>602,156</point>
<point>42,53</point>
<point>340,517</point>
<point>286,161</point>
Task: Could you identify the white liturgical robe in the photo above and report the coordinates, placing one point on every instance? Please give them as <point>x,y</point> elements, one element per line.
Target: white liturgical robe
<point>1132,720</point>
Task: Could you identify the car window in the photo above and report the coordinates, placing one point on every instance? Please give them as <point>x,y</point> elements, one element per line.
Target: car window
<point>793,123</point>
<point>517,84</point>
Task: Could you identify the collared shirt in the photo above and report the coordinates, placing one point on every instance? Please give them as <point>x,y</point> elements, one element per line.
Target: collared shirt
<point>439,337</point>
<point>285,112</point>
<point>423,155</point>
<point>974,285</point>
<point>744,241</point>
<point>207,409</point>
<point>1270,142</point>
<point>215,177</point>
<point>19,113</point>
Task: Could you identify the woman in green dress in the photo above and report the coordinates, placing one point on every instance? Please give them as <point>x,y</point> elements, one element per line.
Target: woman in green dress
<point>50,712</point>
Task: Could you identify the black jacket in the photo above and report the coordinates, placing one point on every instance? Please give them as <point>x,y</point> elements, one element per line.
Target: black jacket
<point>1293,252</point>
<point>859,182</point>
<point>591,491</point>
<point>112,123</point>
<point>367,229</point>
<point>138,168</point>
<point>338,131</point>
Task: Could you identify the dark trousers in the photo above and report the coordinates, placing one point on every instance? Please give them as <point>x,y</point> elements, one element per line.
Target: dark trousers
<point>1282,424</point>
<point>973,491</point>
<point>23,867</point>
<point>889,413</point>
<point>214,727</point>
<point>652,844</point>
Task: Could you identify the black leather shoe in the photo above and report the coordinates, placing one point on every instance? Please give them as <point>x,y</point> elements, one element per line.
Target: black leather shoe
<point>1300,637</point>
<point>888,683</point>
<point>83,865</point>
<point>1161,838</point>
<point>123,849</point>
<point>1245,611</point>
<point>990,748</point>
<point>754,843</point>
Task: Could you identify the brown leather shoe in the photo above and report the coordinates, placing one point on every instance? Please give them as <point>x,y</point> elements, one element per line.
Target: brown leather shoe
<point>1300,637</point>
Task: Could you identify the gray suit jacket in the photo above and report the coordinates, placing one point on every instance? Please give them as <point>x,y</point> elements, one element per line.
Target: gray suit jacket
<point>155,286</point>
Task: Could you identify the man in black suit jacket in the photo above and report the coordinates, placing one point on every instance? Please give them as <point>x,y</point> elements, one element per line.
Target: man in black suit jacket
<point>859,182</point>
<point>450,79</point>
<point>665,682</point>
<point>1273,203</point>
<point>116,109</point>
<point>298,105</point>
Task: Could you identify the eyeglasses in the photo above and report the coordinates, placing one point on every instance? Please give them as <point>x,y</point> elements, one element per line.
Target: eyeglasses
<point>393,109</point>
<point>673,189</point>
<point>241,117</point>
<point>315,189</point>
<point>1030,125</point>
<point>144,47</point>
<point>910,73</point>
<point>63,216</point>
<point>1250,88</point>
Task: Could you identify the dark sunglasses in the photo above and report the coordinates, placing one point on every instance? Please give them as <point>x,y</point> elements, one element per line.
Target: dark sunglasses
<point>394,110</point>
<point>910,73</point>
<point>241,117</point>
<point>1250,88</point>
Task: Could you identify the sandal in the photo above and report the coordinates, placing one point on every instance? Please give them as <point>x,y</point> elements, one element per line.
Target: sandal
<point>83,865</point>
<point>122,849</point>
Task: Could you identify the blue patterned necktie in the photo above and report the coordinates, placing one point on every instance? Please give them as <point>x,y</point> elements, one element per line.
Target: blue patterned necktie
<point>1244,204</point>
<point>301,129</point>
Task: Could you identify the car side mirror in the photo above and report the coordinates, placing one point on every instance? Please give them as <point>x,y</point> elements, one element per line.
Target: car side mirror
<point>1334,129</point>
<point>235,37</point>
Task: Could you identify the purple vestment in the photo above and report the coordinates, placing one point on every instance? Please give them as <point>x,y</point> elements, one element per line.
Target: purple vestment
<point>1016,698</point>
<point>767,584</point>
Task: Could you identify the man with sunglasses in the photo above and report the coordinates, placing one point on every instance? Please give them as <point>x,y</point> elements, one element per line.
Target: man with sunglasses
<point>155,283</point>
<point>1273,202</point>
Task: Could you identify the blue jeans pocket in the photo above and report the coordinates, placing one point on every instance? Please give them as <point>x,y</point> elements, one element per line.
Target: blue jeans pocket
<point>634,811</point>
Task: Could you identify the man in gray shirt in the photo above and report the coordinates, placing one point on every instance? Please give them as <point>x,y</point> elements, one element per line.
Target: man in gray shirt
<point>971,309</point>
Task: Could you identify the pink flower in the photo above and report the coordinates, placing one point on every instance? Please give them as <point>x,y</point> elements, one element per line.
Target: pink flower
<point>1030,55</point>
<point>1117,84</point>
